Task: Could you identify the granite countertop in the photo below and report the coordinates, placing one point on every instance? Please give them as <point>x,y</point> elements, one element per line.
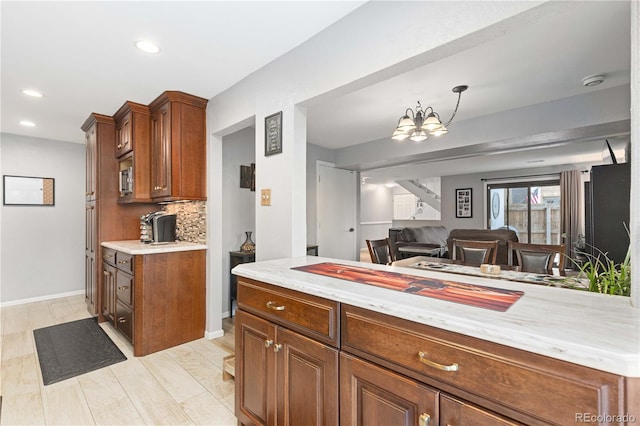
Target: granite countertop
<point>589,329</point>
<point>136,247</point>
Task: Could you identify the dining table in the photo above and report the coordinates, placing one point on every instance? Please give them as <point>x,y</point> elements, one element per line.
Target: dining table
<point>555,277</point>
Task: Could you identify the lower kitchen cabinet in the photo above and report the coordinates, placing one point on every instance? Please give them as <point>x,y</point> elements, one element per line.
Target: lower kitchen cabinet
<point>394,371</point>
<point>155,300</point>
<point>371,395</point>
<point>455,412</point>
<point>286,378</point>
<point>108,307</point>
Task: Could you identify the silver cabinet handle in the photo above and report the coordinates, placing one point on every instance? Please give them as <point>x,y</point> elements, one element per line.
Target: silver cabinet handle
<point>268,343</point>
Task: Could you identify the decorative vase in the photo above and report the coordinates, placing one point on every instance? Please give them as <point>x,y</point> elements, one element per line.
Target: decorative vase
<point>248,245</point>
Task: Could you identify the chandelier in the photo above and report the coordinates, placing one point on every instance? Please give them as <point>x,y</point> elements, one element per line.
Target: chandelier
<point>423,121</point>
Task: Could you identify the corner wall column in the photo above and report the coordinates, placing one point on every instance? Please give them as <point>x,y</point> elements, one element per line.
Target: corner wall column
<point>281,228</point>
<point>634,227</point>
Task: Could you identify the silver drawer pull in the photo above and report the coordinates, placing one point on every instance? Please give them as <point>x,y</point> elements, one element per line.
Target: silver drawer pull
<point>107,256</point>
<point>123,287</point>
<point>424,419</point>
<point>268,343</point>
<point>123,262</point>
<point>277,347</point>
<point>272,305</point>
<point>122,320</point>
<point>452,367</point>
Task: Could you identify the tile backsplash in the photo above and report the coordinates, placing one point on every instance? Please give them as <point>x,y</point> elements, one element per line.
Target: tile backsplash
<point>191,220</point>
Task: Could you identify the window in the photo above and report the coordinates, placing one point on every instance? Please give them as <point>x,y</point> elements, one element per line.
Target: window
<point>531,208</point>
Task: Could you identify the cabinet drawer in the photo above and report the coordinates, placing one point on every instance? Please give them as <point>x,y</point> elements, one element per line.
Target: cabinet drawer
<point>124,262</point>
<point>489,374</point>
<point>312,316</point>
<point>109,256</point>
<point>124,320</point>
<point>454,412</point>
<point>124,288</point>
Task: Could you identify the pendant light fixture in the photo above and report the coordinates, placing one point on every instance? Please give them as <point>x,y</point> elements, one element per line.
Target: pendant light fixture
<point>424,121</point>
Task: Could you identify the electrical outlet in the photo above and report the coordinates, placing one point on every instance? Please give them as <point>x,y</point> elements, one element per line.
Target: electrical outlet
<point>265,197</point>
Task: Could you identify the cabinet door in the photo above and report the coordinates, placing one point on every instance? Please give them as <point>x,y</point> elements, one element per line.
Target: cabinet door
<point>91,280</point>
<point>90,286</point>
<point>91,163</point>
<point>372,395</point>
<point>161,151</point>
<point>108,292</point>
<point>255,373</point>
<point>454,412</point>
<point>124,135</point>
<point>306,380</point>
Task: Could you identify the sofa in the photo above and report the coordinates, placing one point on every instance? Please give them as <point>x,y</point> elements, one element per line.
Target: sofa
<point>418,241</point>
<point>502,235</point>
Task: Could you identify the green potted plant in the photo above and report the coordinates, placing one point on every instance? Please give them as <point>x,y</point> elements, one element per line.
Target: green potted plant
<point>604,275</point>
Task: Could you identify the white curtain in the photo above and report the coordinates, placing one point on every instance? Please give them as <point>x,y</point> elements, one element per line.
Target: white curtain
<point>571,208</point>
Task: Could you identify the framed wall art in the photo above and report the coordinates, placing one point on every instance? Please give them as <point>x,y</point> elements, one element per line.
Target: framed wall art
<point>273,134</point>
<point>28,191</point>
<point>463,203</point>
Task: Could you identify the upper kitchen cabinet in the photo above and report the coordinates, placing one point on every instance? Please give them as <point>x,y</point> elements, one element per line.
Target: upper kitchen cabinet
<point>96,127</point>
<point>133,124</point>
<point>178,147</point>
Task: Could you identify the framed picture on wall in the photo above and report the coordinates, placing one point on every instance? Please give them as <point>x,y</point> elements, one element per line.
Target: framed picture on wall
<point>273,134</point>
<point>463,202</point>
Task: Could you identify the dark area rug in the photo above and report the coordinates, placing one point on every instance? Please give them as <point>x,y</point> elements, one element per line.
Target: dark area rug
<point>74,348</point>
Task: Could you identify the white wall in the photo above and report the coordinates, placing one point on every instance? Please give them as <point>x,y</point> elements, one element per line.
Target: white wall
<point>238,204</point>
<point>376,212</point>
<point>43,247</point>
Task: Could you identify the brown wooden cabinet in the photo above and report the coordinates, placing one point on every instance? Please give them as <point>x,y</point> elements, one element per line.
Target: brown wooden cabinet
<point>155,300</point>
<point>105,219</point>
<point>178,147</point>
<point>108,305</point>
<point>395,371</point>
<point>286,378</point>
<point>371,395</point>
<point>133,138</point>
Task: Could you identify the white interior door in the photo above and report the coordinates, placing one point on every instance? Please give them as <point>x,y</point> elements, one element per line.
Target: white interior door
<point>337,200</point>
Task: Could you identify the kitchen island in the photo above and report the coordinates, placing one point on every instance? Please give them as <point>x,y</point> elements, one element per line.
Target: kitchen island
<point>554,356</point>
<point>154,294</point>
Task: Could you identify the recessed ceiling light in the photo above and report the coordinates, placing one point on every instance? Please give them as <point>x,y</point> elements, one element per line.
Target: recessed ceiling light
<point>33,93</point>
<point>27,123</point>
<point>147,46</point>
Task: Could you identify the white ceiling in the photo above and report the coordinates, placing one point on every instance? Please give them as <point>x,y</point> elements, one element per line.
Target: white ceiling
<point>81,54</point>
<point>540,62</point>
<point>84,61</point>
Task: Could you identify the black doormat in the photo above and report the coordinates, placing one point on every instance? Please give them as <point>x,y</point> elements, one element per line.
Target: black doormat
<point>74,348</point>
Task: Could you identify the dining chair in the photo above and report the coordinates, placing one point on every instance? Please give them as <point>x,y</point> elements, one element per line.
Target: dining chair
<point>537,258</point>
<point>380,251</point>
<point>474,253</point>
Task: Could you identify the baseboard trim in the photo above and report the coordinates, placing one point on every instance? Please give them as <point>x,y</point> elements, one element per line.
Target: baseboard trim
<point>213,334</point>
<point>41,298</point>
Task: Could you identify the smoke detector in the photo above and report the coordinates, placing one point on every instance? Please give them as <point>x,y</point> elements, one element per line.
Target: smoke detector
<point>592,80</point>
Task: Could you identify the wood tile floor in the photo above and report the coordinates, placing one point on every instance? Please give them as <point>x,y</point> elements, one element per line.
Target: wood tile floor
<point>178,386</point>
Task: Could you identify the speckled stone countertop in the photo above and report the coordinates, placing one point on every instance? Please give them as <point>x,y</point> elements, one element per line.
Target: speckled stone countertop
<point>589,329</point>
<point>136,247</point>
